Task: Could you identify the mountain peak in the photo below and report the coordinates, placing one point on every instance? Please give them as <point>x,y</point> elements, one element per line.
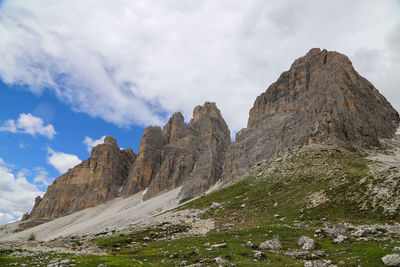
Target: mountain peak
<point>321,98</point>
<point>110,140</point>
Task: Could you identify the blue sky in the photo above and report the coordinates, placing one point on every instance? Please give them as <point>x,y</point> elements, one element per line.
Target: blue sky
<point>28,153</point>
<point>79,70</point>
<point>71,127</point>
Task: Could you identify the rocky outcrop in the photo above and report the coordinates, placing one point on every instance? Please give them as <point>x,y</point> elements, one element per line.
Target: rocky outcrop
<point>92,182</point>
<point>190,156</point>
<point>320,99</point>
<point>147,162</point>
<point>214,139</point>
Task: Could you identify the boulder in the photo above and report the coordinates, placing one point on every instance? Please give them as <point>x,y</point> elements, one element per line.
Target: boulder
<point>271,244</point>
<point>220,260</point>
<point>258,255</point>
<point>340,239</point>
<point>391,260</point>
<point>306,243</point>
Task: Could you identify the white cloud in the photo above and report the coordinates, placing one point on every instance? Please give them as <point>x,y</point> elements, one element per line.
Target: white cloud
<point>29,124</point>
<point>90,143</point>
<point>17,195</point>
<point>42,177</point>
<point>134,61</point>
<point>61,161</point>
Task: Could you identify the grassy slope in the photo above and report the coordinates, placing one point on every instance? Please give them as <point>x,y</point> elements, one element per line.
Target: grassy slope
<point>337,177</point>
<point>287,186</point>
<point>191,250</point>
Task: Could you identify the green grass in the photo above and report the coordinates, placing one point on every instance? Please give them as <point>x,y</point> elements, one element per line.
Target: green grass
<point>122,243</point>
<point>32,237</point>
<point>192,250</point>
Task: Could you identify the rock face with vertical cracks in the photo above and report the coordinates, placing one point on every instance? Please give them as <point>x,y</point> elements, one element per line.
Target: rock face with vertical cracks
<point>94,181</point>
<point>320,99</point>
<point>190,156</point>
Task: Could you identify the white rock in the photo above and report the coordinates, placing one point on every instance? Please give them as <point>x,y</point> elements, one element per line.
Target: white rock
<point>391,260</point>
<point>370,230</point>
<point>271,244</point>
<point>396,249</point>
<point>215,205</point>
<point>220,260</point>
<point>217,246</point>
<point>319,263</point>
<point>258,255</point>
<point>306,243</point>
<point>250,244</point>
<point>358,233</point>
<point>340,239</point>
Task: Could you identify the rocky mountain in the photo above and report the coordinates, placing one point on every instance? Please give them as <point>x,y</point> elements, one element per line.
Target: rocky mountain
<point>92,182</point>
<point>179,154</point>
<point>320,99</point>
<point>190,156</point>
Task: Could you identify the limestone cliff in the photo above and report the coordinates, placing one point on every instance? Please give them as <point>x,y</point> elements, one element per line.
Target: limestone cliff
<point>320,99</point>
<point>179,154</point>
<point>92,182</point>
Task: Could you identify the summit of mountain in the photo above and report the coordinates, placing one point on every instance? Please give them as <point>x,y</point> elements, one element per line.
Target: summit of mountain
<point>322,99</point>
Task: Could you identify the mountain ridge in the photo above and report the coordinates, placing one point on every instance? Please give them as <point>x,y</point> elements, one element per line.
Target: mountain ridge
<point>320,99</point>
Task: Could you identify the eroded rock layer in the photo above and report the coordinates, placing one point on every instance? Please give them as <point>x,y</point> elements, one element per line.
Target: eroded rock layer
<point>320,99</point>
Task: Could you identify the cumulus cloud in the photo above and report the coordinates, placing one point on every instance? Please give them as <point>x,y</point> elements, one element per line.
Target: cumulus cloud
<point>17,195</point>
<point>41,177</point>
<point>62,161</point>
<point>137,61</point>
<point>29,124</point>
<point>90,143</point>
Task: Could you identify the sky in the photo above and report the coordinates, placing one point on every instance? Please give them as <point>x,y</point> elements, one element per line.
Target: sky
<point>72,72</point>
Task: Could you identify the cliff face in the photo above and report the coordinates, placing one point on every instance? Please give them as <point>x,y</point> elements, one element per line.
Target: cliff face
<point>92,182</point>
<point>320,99</point>
<point>179,154</point>
<point>190,156</point>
